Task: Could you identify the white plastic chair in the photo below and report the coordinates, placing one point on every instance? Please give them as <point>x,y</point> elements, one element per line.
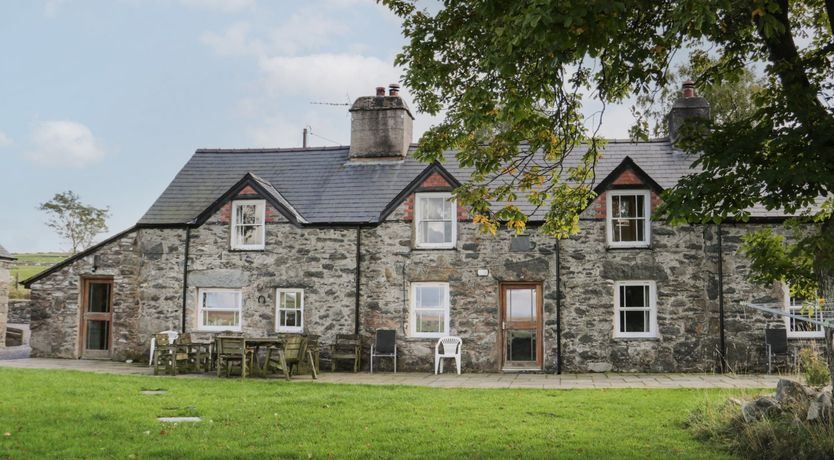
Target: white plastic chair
<point>172,335</point>
<point>451,348</point>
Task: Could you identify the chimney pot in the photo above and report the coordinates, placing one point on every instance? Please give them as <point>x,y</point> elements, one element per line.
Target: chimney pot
<point>393,89</point>
<point>689,88</point>
<point>380,91</point>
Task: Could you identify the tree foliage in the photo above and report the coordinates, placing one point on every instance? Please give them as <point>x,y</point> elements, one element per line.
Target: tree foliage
<point>729,100</point>
<point>517,74</point>
<point>73,220</point>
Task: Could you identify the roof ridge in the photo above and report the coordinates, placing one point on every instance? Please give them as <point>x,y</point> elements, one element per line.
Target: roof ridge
<point>271,149</point>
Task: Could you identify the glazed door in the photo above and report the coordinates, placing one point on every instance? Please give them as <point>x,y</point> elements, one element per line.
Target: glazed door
<point>521,324</point>
<point>96,318</point>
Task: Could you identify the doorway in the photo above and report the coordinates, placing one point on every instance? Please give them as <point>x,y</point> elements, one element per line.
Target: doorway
<point>521,326</point>
<point>96,318</point>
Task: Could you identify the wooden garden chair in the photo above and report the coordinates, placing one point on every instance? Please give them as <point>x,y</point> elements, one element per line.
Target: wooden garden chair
<point>164,354</point>
<point>348,347</point>
<point>231,350</point>
<point>195,356</point>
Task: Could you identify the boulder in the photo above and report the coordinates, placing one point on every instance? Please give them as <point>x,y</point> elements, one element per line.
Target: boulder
<point>821,407</point>
<point>789,392</point>
<point>759,408</point>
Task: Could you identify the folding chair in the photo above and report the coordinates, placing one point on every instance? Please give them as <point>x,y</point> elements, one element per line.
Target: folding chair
<point>384,346</point>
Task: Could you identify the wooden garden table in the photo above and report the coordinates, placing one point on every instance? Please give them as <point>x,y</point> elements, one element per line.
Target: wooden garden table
<point>255,343</point>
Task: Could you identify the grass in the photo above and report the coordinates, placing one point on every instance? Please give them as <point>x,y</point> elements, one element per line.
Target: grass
<point>67,414</point>
<point>28,265</point>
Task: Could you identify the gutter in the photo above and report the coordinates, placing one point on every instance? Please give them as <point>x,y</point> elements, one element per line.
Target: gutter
<point>185,276</point>
<point>558,307</point>
<point>358,278</point>
<point>722,340</point>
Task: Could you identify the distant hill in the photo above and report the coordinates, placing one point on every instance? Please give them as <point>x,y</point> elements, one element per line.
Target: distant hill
<point>28,265</point>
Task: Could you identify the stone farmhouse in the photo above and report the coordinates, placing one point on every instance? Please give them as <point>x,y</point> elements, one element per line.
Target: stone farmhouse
<point>356,238</point>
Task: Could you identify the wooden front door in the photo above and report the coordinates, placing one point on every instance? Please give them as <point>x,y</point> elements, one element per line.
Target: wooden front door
<point>96,317</point>
<point>521,326</point>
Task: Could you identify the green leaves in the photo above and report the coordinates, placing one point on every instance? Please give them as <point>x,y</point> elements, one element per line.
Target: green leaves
<point>73,220</point>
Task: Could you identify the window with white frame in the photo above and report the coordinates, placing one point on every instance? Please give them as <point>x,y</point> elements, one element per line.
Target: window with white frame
<point>289,314</point>
<point>628,218</point>
<point>429,309</point>
<point>219,309</point>
<point>797,328</point>
<point>435,220</point>
<point>635,309</point>
<point>248,224</point>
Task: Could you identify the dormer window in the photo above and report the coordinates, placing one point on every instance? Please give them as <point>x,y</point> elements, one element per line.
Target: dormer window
<point>248,219</point>
<point>435,220</point>
<point>628,218</point>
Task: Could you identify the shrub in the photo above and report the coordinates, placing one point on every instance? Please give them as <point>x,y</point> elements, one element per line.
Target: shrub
<point>781,436</point>
<point>814,367</point>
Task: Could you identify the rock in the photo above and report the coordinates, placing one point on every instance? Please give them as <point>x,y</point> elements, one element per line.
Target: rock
<point>791,392</point>
<point>759,408</point>
<point>820,408</point>
<point>599,367</point>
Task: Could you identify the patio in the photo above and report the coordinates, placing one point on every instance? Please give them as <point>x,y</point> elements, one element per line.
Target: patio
<point>466,380</point>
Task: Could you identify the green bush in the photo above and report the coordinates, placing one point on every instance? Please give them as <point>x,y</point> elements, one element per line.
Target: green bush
<point>779,437</point>
<point>814,367</point>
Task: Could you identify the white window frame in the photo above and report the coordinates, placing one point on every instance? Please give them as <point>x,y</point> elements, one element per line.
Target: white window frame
<point>790,307</point>
<point>278,309</point>
<point>203,327</point>
<point>609,218</point>
<point>444,308</point>
<point>652,332</point>
<point>419,218</point>
<point>261,208</point>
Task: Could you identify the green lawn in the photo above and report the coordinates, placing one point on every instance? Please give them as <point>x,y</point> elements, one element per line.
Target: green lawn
<point>67,414</point>
<point>30,264</point>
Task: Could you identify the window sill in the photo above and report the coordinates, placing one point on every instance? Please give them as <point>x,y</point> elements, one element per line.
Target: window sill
<point>443,248</point>
<point>608,247</point>
<point>806,337</point>
<point>247,249</point>
<point>635,339</point>
<point>215,331</point>
<point>411,338</point>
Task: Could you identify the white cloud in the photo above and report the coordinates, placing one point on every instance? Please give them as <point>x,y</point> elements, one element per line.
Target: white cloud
<point>220,5</point>
<point>304,30</point>
<point>331,77</point>
<point>64,143</point>
<point>51,7</point>
<point>5,140</point>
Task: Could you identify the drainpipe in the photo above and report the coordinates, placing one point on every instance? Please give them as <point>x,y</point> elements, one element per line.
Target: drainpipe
<point>357,280</point>
<point>185,275</point>
<point>558,308</point>
<point>722,342</point>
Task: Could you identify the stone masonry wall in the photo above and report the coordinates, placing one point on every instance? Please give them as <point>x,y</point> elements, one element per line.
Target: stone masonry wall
<point>147,264</point>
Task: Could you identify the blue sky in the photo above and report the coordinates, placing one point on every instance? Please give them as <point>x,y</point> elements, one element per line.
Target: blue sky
<point>110,98</point>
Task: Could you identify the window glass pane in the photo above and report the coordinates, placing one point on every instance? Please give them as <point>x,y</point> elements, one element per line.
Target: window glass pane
<point>436,232</point>
<point>248,214</point>
<point>430,320</point>
<point>221,318</point>
<point>634,321</point>
<point>290,300</point>
<point>634,296</point>
<point>627,230</point>
<point>430,297</point>
<point>435,208</point>
<point>521,345</point>
<point>220,299</point>
<point>290,318</point>
<point>250,234</point>
<point>639,205</point>
<point>99,298</point>
<point>522,304</point>
<point>98,335</point>
<point>624,206</point>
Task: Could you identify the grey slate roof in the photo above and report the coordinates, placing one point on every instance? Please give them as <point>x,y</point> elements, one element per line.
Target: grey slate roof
<point>322,186</point>
<point>4,254</point>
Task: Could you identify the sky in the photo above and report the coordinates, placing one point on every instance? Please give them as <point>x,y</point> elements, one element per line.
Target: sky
<point>110,98</point>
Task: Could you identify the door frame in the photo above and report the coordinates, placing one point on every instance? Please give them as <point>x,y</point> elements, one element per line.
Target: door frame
<point>538,326</point>
<point>83,304</point>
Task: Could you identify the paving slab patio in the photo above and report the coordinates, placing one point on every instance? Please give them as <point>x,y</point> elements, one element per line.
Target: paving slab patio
<point>467,380</point>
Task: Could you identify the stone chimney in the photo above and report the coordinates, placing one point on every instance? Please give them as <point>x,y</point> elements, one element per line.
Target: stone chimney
<point>686,107</point>
<point>380,126</point>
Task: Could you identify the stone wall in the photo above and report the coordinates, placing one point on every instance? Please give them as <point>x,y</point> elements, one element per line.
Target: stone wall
<point>4,299</point>
<point>147,269</point>
<point>20,311</point>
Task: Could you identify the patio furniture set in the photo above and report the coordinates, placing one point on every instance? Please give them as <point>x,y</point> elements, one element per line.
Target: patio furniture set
<point>282,354</point>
